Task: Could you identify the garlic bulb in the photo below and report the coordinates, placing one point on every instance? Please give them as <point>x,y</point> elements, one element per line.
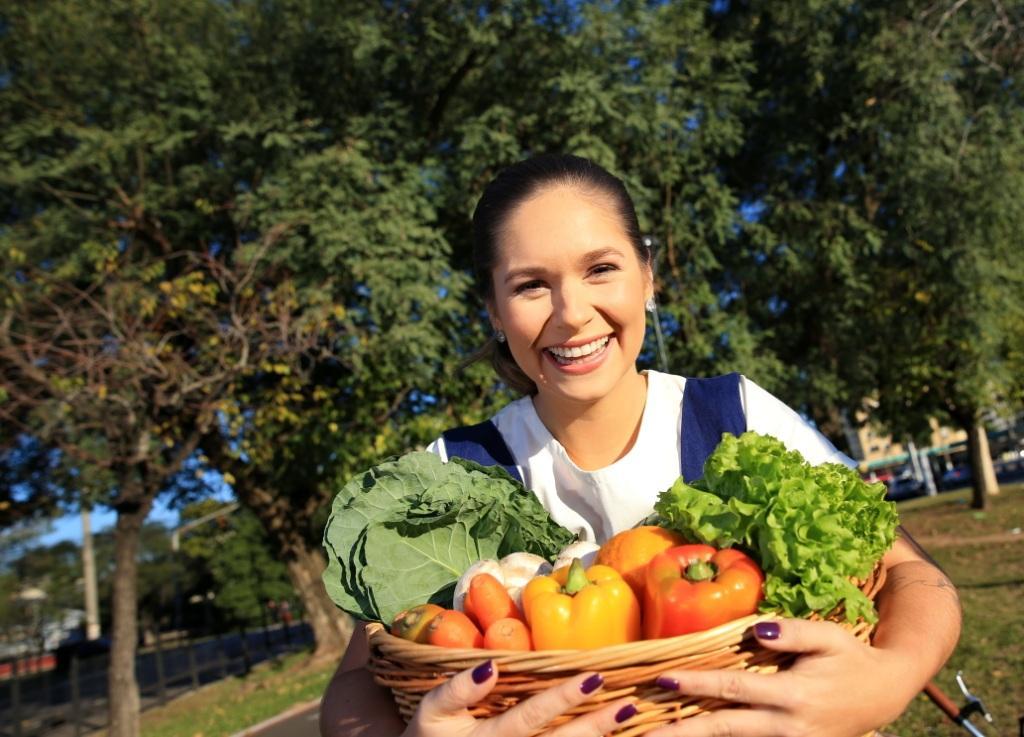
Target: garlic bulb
<point>518,569</point>
<point>585,551</point>
<point>513,572</point>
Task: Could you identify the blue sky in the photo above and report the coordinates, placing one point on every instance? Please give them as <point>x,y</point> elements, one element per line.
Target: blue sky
<point>69,527</point>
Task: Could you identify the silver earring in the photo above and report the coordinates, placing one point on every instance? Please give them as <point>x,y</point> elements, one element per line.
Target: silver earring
<point>499,336</point>
<point>649,305</point>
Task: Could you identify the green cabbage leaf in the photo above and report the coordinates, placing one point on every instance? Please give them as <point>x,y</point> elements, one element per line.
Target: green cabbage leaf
<point>402,532</point>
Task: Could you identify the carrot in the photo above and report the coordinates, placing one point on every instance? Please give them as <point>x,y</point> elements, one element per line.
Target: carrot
<point>508,634</point>
<point>487,601</point>
<point>453,629</point>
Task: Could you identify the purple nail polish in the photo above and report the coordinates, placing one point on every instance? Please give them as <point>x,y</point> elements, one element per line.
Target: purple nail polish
<point>483,671</point>
<point>592,684</point>
<point>626,712</point>
<point>767,630</point>
<point>669,684</point>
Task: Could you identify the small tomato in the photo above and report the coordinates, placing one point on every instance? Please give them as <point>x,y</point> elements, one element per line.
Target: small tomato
<point>412,623</point>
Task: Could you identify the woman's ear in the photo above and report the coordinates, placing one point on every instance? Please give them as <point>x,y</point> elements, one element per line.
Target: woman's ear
<point>649,283</point>
<point>492,315</point>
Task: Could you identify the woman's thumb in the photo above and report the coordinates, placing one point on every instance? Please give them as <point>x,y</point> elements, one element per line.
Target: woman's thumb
<point>460,691</point>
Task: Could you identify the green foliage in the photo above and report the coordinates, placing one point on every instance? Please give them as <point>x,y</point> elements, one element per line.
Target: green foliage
<point>245,569</point>
<point>55,571</point>
<point>884,156</point>
<point>10,613</point>
<point>110,346</point>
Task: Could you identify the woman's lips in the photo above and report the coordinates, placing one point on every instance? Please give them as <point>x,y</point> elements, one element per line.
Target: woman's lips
<point>581,365</point>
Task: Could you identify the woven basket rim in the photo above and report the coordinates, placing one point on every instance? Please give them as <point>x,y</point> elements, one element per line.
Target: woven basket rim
<point>380,635</point>
<point>730,635</point>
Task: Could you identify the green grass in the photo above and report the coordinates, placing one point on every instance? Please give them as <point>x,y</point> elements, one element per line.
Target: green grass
<point>985,559</point>
<point>231,705</point>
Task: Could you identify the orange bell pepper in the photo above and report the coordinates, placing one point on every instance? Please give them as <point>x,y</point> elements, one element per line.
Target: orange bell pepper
<point>696,587</point>
<point>577,609</point>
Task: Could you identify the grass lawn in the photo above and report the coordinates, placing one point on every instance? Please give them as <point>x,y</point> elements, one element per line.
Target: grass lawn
<point>231,705</point>
<point>983,552</point>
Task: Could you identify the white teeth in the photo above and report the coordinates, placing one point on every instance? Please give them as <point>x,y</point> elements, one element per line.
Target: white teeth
<point>580,350</point>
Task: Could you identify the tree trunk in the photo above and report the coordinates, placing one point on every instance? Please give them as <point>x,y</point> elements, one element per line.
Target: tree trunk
<point>122,688</point>
<point>331,627</point>
<point>982,470</point>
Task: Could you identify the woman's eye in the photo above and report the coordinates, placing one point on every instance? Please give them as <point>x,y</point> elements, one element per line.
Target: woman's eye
<point>604,269</point>
<point>529,286</point>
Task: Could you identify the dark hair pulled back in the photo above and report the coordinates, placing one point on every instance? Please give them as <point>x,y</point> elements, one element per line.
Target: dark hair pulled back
<point>510,188</point>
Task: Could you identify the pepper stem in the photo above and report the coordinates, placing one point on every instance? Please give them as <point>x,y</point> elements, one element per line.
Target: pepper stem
<point>576,579</point>
<point>701,570</point>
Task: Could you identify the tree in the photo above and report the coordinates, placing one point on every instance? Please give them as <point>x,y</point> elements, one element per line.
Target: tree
<point>53,571</point>
<point>123,322</point>
<point>242,561</point>
<point>881,164</point>
<point>797,263</point>
<point>29,487</point>
<point>954,222</point>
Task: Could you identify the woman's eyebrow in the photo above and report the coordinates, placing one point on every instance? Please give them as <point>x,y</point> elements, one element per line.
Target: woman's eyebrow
<point>588,259</point>
<point>526,271</point>
<point>599,254</point>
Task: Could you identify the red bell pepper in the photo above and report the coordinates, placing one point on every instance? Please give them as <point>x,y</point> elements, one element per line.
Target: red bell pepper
<point>695,587</point>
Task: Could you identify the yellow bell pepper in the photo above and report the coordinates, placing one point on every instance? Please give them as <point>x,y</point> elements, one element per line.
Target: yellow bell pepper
<point>577,609</point>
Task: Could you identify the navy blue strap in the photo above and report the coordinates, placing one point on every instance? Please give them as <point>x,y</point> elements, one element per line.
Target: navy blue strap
<point>481,444</point>
<point>711,407</point>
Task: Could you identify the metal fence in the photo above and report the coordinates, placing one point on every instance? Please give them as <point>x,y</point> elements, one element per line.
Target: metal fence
<point>71,700</point>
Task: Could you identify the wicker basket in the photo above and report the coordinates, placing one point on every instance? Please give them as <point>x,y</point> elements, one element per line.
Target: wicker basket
<point>410,669</point>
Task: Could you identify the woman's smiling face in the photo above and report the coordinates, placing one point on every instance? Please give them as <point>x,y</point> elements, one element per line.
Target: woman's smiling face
<point>569,294</point>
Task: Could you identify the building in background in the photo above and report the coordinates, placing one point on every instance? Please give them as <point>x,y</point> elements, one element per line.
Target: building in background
<point>908,469</point>
<point>875,450</point>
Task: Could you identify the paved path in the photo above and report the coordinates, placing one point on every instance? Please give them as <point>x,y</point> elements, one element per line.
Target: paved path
<point>302,720</point>
<point>952,541</point>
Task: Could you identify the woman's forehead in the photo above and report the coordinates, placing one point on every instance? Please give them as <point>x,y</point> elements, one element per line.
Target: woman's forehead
<point>562,219</point>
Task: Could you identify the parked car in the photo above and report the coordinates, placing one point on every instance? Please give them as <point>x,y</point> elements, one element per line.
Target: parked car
<point>956,478</point>
<point>905,488</point>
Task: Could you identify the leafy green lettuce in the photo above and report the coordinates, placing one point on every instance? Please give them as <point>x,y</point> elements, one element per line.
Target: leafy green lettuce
<point>402,532</point>
<point>810,527</point>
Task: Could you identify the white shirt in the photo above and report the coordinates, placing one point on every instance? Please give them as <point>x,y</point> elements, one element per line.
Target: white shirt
<point>597,504</point>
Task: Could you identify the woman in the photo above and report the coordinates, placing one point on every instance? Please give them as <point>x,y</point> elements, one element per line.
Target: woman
<point>566,281</point>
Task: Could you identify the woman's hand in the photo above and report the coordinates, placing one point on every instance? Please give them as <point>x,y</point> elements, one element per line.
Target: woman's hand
<point>838,687</point>
<point>443,711</point>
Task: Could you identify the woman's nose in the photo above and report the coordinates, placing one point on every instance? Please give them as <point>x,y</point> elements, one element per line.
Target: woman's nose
<point>571,307</point>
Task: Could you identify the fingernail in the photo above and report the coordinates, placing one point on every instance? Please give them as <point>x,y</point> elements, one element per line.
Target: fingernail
<point>767,630</point>
<point>483,671</point>
<point>626,712</point>
<point>669,684</point>
<point>592,684</point>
